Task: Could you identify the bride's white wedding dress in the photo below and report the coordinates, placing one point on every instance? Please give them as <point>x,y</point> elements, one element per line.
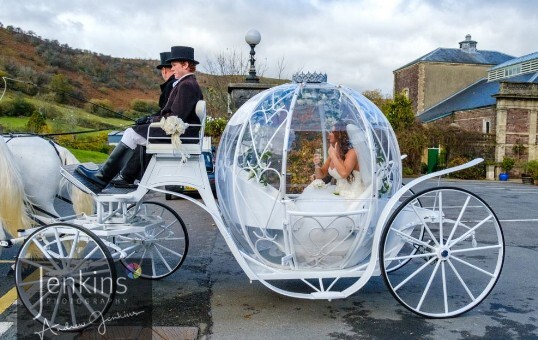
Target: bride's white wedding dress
<point>346,189</point>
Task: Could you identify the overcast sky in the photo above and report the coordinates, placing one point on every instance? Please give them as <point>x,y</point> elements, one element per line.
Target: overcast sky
<point>357,43</point>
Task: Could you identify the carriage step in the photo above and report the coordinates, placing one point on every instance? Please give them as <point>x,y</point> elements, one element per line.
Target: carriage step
<point>81,182</point>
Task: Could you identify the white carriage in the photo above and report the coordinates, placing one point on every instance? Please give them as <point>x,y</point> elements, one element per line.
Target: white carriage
<point>440,251</point>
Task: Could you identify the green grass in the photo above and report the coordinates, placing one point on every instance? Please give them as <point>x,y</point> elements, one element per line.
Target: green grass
<point>14,123</point>
<point>72,118</point>
<point>89,156</point>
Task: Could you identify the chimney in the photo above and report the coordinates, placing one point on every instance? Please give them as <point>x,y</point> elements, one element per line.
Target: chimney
<point>468,45</point>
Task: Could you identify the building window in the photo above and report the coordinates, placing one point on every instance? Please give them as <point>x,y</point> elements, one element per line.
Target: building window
<point>513,70</point>
<point>405,92</point>
<point>486,126</point>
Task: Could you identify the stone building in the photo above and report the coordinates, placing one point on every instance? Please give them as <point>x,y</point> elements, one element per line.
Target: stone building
<point>444,71</point>
<point>503,104</point>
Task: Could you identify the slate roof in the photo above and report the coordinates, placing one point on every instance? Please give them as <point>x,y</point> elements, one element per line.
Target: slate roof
<point>517,60</point>
<point>477,95</point>
<point>457,55</point>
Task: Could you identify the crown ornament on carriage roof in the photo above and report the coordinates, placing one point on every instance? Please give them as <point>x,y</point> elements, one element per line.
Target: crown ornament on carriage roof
<point>309,77</point>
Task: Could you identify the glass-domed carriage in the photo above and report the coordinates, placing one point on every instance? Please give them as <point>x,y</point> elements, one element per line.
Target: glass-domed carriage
<point>311,239</point>
<point>440,251</point>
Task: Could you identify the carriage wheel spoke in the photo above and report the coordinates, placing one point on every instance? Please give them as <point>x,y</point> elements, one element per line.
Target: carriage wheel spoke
<point>473,266</point>
<point>445,295</point>
<point>458,220</point>
<point>427,289</point>
<point>71,305</point>
<point>414,274</point>
<point>153,270</point>
<point>35,264</point>
<point>440,217</point>
<point>73,247</point>
<point>92,288</point>
<point>162,258</point>
<point>86,258</point>
<point>40,300</point>
<point>468,232</point>
<point>464,285</point>
<point>84,302</point>
<point>456,251</point>
<point>163,228</point>
<point>56,307</point>
<point>412,239</point>
<point>426,227</point>
<point>60,247</point>
<point>169,250</point>
<point>47,255</point>
<point>411,256</point>
<point>135,247</point>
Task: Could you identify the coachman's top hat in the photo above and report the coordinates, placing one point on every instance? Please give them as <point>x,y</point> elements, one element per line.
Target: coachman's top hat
<point>164,61</point>
<point>182,53</point>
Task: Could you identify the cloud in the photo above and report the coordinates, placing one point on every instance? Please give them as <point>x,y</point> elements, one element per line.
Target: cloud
<point>357,43</point>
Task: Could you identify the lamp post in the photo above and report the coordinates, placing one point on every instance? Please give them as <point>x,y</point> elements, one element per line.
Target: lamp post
<point>252,38</point>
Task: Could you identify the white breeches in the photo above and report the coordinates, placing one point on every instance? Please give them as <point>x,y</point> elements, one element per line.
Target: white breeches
<point>132,139</point>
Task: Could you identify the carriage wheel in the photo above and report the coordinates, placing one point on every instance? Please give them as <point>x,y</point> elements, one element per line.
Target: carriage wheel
<point>65,276</point>
<point>397,264</point>
<point>162,248</point>
<point>457,261</point>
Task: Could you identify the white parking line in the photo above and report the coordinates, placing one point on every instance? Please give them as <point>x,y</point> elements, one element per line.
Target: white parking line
<point>4,326</point>
<point>521,220</point>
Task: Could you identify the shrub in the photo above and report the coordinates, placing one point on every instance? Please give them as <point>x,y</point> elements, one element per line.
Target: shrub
<point>531,168</point>
<point>17,107</point>
<point>214,127</point>
<point>145,106</point>
<point>507,164</point>
<point>408,171</point>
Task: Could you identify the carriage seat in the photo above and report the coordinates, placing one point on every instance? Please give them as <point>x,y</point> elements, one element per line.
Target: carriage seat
<point>156,145</point>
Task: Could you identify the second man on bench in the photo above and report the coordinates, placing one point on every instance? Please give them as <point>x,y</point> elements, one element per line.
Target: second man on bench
<point>181,103</point>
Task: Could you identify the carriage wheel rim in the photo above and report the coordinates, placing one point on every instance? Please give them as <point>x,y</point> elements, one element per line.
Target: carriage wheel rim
<point>153,250</point>
<point>70,291</point>
<point>444,256</point>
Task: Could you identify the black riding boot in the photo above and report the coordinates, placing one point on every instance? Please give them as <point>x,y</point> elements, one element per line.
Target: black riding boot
<point>130,171</point>
<point>110,168</point>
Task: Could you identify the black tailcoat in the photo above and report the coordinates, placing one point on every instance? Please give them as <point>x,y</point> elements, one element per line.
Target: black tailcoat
<point>181,103</point>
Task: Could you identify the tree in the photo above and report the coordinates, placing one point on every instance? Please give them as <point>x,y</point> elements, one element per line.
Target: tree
<point>411,135</point>
<point>376,97</point>
<point>61,88</point>
<point>226,67</point>
<point>399,112</point>
<point>281,65</point>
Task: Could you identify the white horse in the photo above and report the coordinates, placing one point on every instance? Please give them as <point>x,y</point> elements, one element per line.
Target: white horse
<point>30,178</point>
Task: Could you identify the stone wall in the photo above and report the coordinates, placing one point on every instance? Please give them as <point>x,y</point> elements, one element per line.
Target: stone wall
<point>517,123</point>
<point>441,80</point>
<point>407,78</point>
<point>239,93</point>
<point>473,120</point>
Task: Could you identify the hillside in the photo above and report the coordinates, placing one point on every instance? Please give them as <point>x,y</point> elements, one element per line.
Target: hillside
<point>91,76</point>
<point>28,57</point>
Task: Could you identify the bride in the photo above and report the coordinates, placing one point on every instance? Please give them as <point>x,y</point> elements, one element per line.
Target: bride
<point>342,164</point>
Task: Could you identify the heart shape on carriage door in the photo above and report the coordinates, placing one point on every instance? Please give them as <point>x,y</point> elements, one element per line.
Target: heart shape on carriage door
<point>338,230</point>
<point>323,237</point>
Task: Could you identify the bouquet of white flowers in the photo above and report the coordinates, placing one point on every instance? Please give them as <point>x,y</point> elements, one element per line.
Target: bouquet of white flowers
<point>318,184</point>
